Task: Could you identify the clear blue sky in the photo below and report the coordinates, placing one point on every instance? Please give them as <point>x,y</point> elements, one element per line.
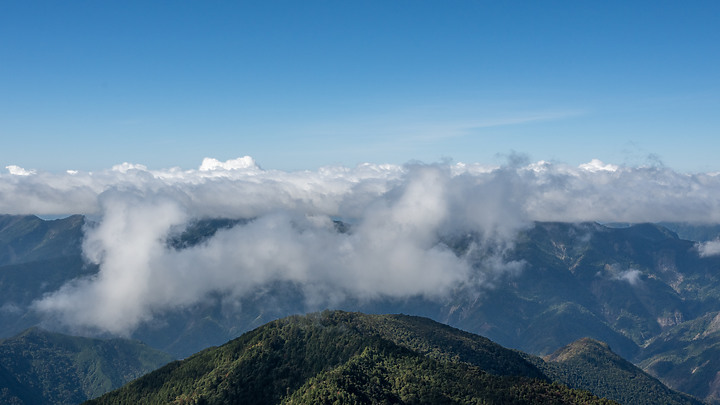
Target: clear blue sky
<point>302,84</point>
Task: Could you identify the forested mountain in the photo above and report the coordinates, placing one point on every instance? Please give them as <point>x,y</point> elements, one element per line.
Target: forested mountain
<point>41,367</point>
<point>642,289</point>
<point>591,365</point>
<point>339,357</point>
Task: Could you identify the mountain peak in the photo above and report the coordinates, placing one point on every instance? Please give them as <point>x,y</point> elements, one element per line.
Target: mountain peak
<point>653,232</point>
<point>350,358</point>
<point>581,347</point>
<point>590,364</point>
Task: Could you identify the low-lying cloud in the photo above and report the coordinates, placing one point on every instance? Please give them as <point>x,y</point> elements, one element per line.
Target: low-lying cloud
<point>709,248</point>
<point>631,276</point>
<point>402,219</point>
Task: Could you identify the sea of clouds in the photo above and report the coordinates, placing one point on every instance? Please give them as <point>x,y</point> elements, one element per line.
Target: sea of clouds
<point>399,216</point>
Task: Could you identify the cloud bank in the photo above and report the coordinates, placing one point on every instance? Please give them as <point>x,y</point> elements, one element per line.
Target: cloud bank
<point>401,217</point>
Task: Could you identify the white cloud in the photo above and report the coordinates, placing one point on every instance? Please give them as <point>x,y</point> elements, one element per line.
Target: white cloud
<point>127,243</point>
<point>709,248</point>
<point>543,191</point>
<point>617,272</point>
<point>399,214</point>
<point>19,171</point>
<point>245,162</point>
<point>393,251</point>
<point>632,276</point>
<point>125,167</point>
<point>596,165</point>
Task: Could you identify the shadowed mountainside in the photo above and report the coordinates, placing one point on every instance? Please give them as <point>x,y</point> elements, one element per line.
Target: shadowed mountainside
<point>41,367</point>
<point>590,364</point>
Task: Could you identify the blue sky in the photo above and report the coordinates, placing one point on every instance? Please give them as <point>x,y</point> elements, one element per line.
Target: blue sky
<point>303,84</point>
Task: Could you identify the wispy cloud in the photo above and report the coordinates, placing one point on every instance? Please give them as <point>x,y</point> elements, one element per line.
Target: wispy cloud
<point>427,125</point>
<point>516,119</point>
<point>631,276</point>
<point>709,248</point>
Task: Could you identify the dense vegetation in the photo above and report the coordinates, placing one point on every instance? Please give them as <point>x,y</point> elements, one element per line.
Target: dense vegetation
<point>40,367</point>
<point>392,376</point>
<point>591,365</point>
<point>445,343</point>
<point>346,357</point>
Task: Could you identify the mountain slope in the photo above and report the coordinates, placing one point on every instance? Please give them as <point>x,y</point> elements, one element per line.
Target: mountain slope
<point>39,367</point>
<point>331,356</point>
<point>623,286</point>
<point>591,365</point>
<point>36,257</point>
<point>445,343</point>
<point>394,377</point>
<point>687,357</point>
<point>28,238</point>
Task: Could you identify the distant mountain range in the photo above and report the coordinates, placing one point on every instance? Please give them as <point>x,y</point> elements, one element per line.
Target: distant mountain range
<point>640,288</point>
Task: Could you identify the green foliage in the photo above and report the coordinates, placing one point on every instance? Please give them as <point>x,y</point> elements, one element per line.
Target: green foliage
<point>42,367</point>
<point>339,357</point>
<point>442,342</point>
<point>394,376</point>
<point>591,365</point>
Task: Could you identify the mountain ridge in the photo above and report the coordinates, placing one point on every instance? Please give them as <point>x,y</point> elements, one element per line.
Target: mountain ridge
<point>336,355</point>
<point>353,357</point>
<point>38,366</point>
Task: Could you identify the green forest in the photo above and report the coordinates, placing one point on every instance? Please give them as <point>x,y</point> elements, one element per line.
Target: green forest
<point>352,358</point>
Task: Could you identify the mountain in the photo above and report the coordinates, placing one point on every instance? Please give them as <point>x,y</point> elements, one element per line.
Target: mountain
<point>28,238</point>
<point>41,367</point>
<point>694,232</point>
<point>340,357</point>
<point>621,286</point>
<point>687,357</point>
<point>639,287</point>
<point>36,257</point>
<point>591,365</point>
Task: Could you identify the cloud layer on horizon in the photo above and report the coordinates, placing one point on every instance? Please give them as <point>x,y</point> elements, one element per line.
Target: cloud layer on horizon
<point>541,191</point>
<point>398,214</point>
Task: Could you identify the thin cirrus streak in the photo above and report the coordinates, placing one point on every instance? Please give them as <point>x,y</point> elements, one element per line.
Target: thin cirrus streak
<point>398,214</point>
